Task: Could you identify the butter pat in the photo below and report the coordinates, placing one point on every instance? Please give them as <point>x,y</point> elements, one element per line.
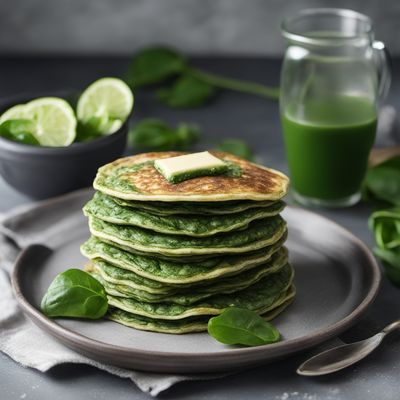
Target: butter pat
<point>189,166</point>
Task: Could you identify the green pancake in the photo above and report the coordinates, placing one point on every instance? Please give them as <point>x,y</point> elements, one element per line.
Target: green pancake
<point>129,279</point>
<point>192,294</point>
<point>136,178</point>
<point>157,274</point>
<point>106,209</point>
<point>259,297</point>
<point>187,325</point>
<point>172,255</point>
<point>199,208</point>
<point>259,234</point>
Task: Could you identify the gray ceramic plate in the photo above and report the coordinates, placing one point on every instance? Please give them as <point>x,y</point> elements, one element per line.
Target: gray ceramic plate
<point>336,277</point>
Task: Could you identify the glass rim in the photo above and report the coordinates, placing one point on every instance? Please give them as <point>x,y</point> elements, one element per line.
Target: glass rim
<point>292,34</point>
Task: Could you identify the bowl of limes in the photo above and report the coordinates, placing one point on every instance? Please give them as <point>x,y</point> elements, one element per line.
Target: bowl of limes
<point>51,145</point>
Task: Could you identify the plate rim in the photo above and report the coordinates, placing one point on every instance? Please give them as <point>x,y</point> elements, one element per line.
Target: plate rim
<point>284,347</point>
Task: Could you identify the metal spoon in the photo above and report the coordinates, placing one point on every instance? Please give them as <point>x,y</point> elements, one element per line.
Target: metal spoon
<point>343,356</point>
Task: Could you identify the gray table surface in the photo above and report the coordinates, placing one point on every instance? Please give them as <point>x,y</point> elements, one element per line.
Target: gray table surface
<point>230,115</point>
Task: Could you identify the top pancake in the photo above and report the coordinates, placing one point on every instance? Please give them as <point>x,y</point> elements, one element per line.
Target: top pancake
<point>135,178</point>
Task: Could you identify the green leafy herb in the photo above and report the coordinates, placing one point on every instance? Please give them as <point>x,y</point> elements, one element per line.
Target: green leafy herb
<point>385,225</point>
<point>96,127</point>
<point>193,87</point>
<point>75,293</point>
<point>382,189</point>
<point>154,65</point>
<point>237,147</point>
<point>156,134</point>
<point>187,91</point>
<point>19,130</point>
<point>89,130</point>
<point>382,182</point>
<point>241,326</point>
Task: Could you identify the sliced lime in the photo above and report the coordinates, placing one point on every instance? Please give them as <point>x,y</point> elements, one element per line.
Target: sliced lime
<point>108,99</point>
<point>15,112</point>
<point>55,122</point>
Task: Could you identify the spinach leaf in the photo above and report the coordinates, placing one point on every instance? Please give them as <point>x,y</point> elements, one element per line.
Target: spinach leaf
<point>242,326</point>
<point>96,127</point>
<point>186,135</point>
<point>154,65</point>
<point>383,181</point>
<point>385,225</point>
<point>19,130</point>
<point>150,133</point>
<point>187,91</point>
<point>156,134</point>
<point>75,293</point>
<point>236,147</point>
<point>89,130</point>
<point>193,87</point>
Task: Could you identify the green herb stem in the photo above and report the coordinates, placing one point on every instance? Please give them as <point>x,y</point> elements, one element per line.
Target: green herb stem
<point>235,84</point>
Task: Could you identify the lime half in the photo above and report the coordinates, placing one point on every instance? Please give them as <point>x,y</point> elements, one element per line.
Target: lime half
<point>55,122</point>
<point>109,100</point>
<point>15,112</point>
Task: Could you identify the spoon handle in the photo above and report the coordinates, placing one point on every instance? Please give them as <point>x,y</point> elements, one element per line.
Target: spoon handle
<point>391,327</point>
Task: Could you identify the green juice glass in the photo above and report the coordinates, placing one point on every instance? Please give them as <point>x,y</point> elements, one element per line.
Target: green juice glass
<point>333,75</point>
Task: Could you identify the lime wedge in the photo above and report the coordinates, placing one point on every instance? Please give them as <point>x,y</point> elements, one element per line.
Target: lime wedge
<point>108,99</point>
<point>55,122</point>
<point>15,112</point>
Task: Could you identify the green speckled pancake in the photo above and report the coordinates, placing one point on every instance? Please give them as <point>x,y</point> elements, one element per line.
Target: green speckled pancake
<point>187,325</point>
<point>170,256</point>
<point>198,208</point>
<point>259,234</point>
<point>135,178</point>
<point>103,207</point>
<point>157,274</point>
<point>260,297</point>
<point>127,288</point>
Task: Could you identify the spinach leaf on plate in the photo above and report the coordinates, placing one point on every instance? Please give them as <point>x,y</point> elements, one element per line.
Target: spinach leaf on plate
<point>242,326</point>
<point>75,293</point>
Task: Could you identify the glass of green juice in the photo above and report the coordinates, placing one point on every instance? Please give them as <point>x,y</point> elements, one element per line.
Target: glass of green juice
<point>333,75</point>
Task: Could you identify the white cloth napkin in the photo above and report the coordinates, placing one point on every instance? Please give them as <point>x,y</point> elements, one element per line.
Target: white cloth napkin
<point>20,339</point>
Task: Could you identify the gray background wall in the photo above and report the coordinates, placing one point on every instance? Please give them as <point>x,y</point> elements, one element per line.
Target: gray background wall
<point>197,26</point>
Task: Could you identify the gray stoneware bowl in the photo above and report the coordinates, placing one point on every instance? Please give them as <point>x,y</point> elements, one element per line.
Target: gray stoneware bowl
<point>42,172</point>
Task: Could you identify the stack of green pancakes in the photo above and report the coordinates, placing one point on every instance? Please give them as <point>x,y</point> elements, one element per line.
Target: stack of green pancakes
<point>170,256</point>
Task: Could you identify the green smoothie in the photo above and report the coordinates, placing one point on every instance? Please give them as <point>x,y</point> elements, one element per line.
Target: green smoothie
<point>327,145</point>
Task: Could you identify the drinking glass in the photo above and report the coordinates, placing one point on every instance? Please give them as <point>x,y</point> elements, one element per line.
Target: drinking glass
<point>333,75</point>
